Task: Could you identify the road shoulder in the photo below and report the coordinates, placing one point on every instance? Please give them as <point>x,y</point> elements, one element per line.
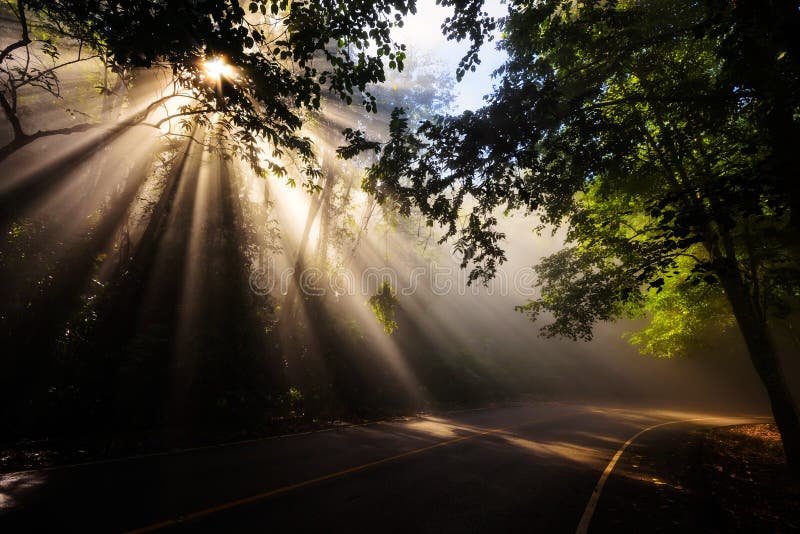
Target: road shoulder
<point>749,479</point>
<point>690,479</point>
<point>659,486</point>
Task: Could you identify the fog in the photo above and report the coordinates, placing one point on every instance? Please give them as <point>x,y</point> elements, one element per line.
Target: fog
<point>150,280</point>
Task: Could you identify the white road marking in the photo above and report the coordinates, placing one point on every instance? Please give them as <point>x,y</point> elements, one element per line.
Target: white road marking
<point>586,519</point>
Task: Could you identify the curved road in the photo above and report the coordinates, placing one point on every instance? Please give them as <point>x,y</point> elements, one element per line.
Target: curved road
<point>530,468</point>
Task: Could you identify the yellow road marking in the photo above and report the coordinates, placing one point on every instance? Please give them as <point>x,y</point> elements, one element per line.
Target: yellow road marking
<point>260,496</point>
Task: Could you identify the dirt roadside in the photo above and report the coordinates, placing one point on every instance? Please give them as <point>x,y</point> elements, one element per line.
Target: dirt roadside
<point>749,481</point>
<point>694,480</point>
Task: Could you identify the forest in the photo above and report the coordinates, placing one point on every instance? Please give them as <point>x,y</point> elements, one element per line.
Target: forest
<point>236,218</point>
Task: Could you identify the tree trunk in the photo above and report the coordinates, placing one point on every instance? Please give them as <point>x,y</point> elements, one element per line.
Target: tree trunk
<point>764,356</point>
<point>300,255</point>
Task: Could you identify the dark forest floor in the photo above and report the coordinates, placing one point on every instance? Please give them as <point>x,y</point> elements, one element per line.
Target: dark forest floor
<point>697,481</point>
<point>749,480</point>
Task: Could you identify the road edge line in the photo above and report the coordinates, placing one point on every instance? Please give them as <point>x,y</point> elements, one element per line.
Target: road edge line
<point>588,512</point>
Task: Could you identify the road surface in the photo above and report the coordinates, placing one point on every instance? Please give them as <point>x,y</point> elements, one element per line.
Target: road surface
<point>529,468</point>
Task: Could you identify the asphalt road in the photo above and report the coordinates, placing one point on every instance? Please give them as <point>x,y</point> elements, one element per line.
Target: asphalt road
<point>531,468</point>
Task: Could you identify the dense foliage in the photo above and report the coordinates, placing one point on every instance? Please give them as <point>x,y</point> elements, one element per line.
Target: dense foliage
<point>281,55</point>
<point>127,304</point>
<point>660,133</point>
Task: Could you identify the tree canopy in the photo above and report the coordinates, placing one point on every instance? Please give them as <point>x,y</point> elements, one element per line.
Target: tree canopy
<point>129,246</point>
<point>662,134</point>
<point>659,133</point>
<point>274,59</point>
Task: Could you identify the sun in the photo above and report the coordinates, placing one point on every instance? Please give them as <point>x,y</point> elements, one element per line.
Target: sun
<point>216,69</point>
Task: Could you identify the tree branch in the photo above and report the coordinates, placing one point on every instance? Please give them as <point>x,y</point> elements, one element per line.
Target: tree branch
<point>182,114</point>
<point>23,140</point>
<point>16,126</point>
<point>25,41</point>
<point>52,69</point>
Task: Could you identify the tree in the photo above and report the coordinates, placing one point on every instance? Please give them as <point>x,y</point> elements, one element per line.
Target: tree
<point>659,133</point>
<point>256,65</point>
<point>243,79</point>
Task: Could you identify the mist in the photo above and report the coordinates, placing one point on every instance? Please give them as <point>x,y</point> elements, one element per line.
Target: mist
<point>140,258</point>
<point>395,266</point>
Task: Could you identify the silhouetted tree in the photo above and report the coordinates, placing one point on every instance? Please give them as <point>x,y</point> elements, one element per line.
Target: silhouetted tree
<point>663,134</point>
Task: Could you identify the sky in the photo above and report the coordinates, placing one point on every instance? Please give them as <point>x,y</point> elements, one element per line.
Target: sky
<point>422,32</point>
